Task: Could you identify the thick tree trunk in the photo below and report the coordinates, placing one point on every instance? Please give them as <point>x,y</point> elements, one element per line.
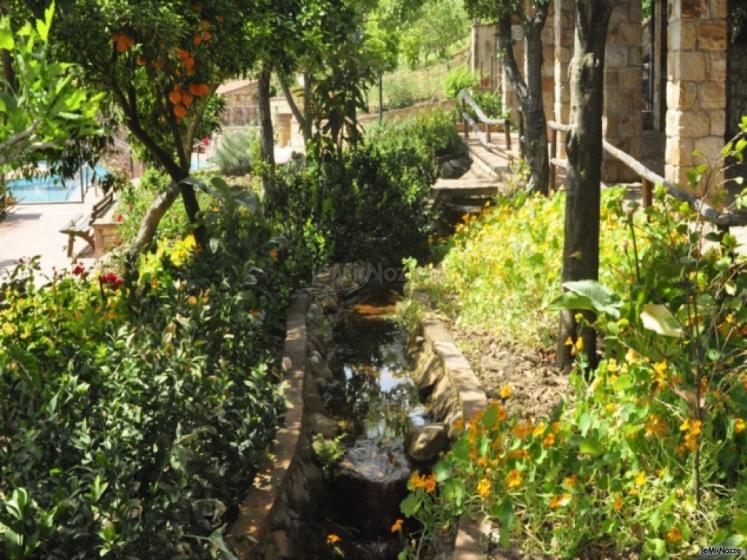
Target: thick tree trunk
<point>267,143</point>
<point>584,148</point>
<point>530,94</point>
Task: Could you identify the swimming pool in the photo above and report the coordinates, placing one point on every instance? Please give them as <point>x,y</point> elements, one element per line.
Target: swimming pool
<point>47,189</point>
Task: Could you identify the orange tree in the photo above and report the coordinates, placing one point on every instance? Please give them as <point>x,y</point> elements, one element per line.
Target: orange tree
<point>160,64</point>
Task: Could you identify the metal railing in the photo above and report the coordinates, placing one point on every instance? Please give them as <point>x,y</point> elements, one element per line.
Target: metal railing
<point>723,220</point>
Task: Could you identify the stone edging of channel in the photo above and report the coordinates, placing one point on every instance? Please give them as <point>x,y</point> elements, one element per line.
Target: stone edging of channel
<point>455,392</point>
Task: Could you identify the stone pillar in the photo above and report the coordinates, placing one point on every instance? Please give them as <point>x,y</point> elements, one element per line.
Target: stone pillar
<point>563,28</point>
<point>485,61</point>
<point>696,84</point>
<point>623,96</point>
<point>659,62</point>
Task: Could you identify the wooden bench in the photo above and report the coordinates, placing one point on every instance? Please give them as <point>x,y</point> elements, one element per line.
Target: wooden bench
<point>81,226</point>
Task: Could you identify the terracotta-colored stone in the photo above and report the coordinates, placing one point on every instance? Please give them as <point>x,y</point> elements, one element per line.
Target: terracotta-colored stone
<point>681,95</point>
<point>712,36</point>
<point>693,9</point>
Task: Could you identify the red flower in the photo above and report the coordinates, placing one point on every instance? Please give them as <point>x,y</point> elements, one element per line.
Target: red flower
<point>110,279</point>
<point>79,270</point>
<point>119,218</point>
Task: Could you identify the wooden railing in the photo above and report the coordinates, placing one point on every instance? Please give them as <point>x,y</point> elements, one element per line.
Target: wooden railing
<point>484,137</point>
<point>723,220</point>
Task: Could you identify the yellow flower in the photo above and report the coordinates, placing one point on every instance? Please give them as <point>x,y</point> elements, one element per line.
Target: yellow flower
<point>610,408</point>
<point>739,425</point>
<point>640,478</point>
<point>9,329</point>
<point>612,366</point>
<point>631,356</point>
<point>484,487</point>
<point>192,300</point>
<point>560,501</point>
<point>539,430</point>
<point>579,344</point>
<point>674,535</point>
<point>618,504</point>
<point>570,481</point>
<point>549,440</point>
<point>333,538</point>
<point>505,391</point>
<point>274,254</point>
<point>513,480</point>
<point>397,526</point>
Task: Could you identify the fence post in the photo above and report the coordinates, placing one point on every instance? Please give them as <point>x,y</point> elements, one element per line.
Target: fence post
<point>464,118</point>
<point>487,131</point>
<point>507,132</point>
<point>647,192</point>
<point>521,134</point>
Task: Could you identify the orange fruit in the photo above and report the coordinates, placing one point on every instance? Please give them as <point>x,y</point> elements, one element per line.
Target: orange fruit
<point>206,36</point>
<point>197,40</point>
<point>181,53</point>
<point>199,90</point>
<point>187,99</point>
<point>175,96</point>
<point>180,111</point>
<point>189,63</point>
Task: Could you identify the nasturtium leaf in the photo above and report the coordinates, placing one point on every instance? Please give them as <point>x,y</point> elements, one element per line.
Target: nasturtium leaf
<point>658,318</point>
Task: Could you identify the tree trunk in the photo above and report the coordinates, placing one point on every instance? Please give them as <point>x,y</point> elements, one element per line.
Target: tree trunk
<point>267,144</point>
<point>584,148</point>
<point>530,94</point>
<point>300,117</point>
<point>152,218</point>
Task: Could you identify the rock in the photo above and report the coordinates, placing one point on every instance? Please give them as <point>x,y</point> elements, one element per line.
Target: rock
<point>321,424</point>
<point>427,442</point>
<point>455,167</point>
<point>319,367</point>
<point>370,482</point>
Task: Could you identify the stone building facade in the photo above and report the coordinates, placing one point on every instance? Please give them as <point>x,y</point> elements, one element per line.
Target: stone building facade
<point>696,79</point>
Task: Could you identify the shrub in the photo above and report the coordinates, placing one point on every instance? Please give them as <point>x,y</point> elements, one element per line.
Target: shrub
<point>137,404</point>
<point>377,205</point>
<point>490,103</point>
<point>235,151</point>
<point>459,79</point>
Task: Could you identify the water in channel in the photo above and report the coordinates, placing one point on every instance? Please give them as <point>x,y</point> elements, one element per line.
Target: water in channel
<point>372,396</point>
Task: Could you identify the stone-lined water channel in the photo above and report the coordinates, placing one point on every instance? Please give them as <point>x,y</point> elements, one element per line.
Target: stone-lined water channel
<point>369,392</point>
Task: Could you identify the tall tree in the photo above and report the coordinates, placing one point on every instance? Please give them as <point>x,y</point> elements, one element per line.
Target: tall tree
<point>584,148</point>
<point>159,64</point>
<point>532,16</point>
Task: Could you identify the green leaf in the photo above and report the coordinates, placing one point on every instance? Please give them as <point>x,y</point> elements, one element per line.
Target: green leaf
<point>6,40</point>
<point>740,524</point>
<point>591,447</point>
<point>410,505</point>
<point>589,295</point>
<point>505,515</point>
<point>658,318</point>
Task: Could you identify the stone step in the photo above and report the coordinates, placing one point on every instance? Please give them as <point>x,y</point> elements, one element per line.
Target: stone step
<point>491,162</point>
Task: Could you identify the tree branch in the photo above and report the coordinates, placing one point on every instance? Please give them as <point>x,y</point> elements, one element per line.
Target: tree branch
<point>293,106</point>
<point>509,58</point>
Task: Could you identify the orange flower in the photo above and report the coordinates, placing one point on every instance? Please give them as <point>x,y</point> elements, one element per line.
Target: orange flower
<point>397,526</point>
<point>549,440</point>
<point>570,481</point>
<point>618,505</point>
<point>560,501</point>
<point>674,535</point>
<point>523,429</point>
<point>333,538</point>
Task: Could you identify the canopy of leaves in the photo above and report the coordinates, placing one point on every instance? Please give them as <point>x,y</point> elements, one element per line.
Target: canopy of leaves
<point>43,109</point>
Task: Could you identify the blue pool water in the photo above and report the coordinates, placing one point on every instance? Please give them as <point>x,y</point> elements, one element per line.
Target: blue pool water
<point>51,188</point>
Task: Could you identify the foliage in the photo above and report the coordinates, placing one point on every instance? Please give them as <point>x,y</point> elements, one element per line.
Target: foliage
<point>499,273</point>
<point>43,107</point>
<point>438,25</point>
<point>490,103</point>
<point>234,151</point>
<point>459,79</point>
<point>328,451</point>
<point>138,404</point>
<point>375,206</point>
<point>646,457</point>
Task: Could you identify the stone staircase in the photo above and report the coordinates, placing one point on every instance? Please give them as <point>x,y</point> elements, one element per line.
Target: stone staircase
<point>469,193</point>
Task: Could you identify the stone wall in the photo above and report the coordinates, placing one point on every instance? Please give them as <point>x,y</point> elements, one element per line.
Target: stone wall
<point>696,87</point>
<point>548,63</point>
<point>484,59</point>
<point>563,28</point>
<point>623,96</point>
